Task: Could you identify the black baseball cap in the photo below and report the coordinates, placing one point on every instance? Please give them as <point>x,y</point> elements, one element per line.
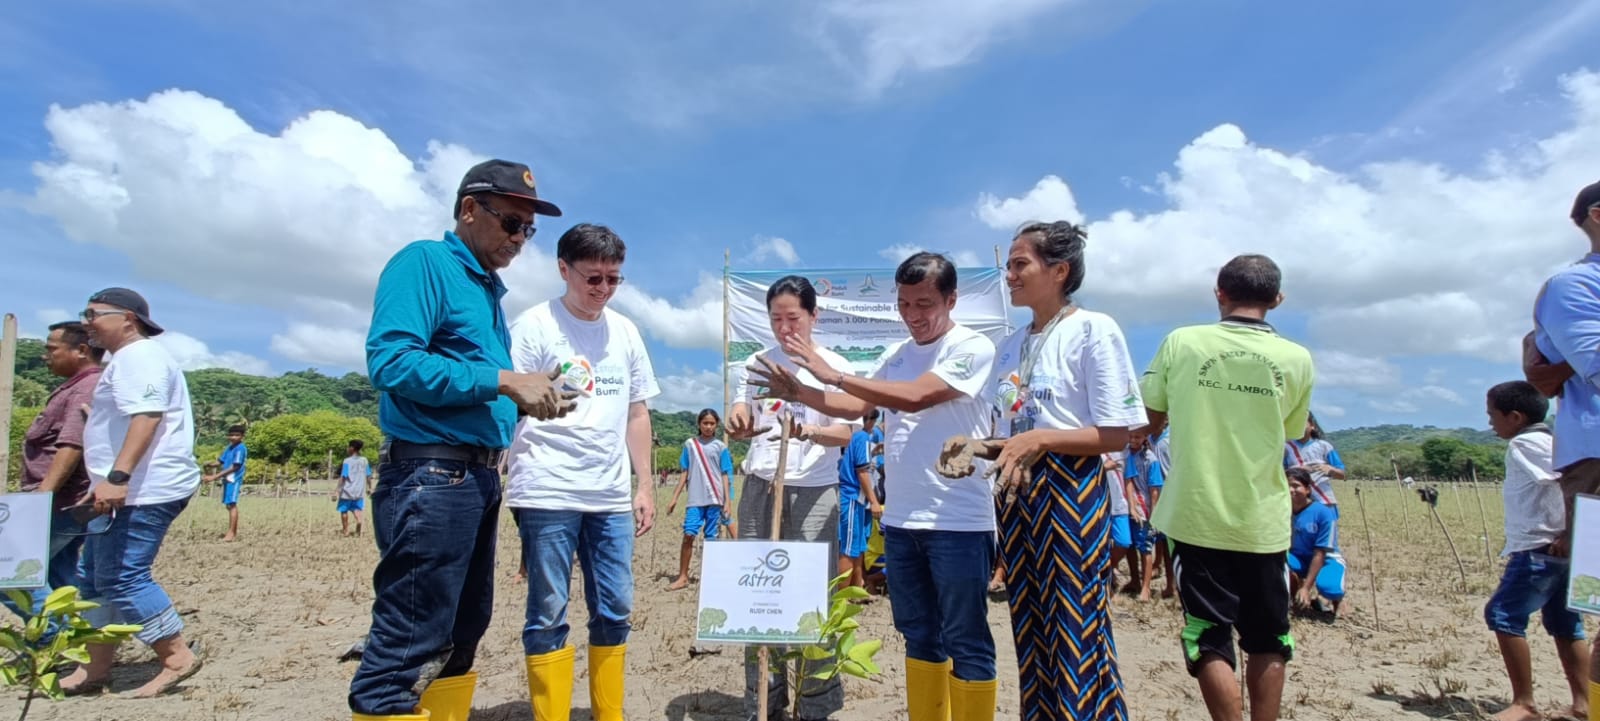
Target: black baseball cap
<point>503,177</point>
<point>1587,198</point>
<point>129,301</point>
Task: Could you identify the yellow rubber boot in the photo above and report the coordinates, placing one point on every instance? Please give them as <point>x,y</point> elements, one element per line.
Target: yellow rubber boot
<point>402,717</point>
<point>1594,701</point>
<point>450,699</point>
<point>928,690</point>
<point>550,685</point>
<point>972,700</point>
<point>606,665</point>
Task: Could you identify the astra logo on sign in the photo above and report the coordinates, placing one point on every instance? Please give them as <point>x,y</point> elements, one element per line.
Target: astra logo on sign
<point>767,572</point>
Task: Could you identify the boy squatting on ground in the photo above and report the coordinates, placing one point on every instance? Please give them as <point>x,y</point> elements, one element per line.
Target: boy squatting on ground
<point>1315,566</point>
<point>1534,579</point>
<point>353,488</point>
<point>710,495</point>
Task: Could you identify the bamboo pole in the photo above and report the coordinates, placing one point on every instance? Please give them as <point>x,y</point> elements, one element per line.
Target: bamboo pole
<point>8,369</point>
<point>1433,508</point>
<point>1483,519</point>
<point>1371,560</point>
<point>1405,515</point>
<point>764,654</point>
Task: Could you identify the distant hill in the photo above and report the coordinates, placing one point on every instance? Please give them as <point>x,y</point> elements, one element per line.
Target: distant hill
<point>1357,439</point>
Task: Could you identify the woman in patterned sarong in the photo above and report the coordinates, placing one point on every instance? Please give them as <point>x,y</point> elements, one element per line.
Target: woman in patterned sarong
<point>1065,392</point>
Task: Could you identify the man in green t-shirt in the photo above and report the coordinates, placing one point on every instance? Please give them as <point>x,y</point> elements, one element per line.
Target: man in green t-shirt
<point>1239,392</point>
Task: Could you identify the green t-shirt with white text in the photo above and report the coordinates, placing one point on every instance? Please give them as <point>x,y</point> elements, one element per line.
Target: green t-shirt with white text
<point>1234,393</point>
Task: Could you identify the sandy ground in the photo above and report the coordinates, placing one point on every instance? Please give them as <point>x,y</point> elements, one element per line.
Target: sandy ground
<point>276,608</point>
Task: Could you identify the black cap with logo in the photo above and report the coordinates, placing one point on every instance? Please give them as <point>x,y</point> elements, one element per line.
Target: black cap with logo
<point>128,301</point>
<point>503,177</point>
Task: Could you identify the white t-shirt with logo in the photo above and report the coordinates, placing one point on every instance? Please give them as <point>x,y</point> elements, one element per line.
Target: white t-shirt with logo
<point>809,464</point>
<point>1083,377</point>
<point>918,498</point>
<point>580,462</point>
<point>141,378</point>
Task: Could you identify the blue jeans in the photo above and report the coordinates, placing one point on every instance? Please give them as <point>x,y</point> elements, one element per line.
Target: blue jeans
<point>116,572</point>
<point>603,543</point>
<point>435,523</point>
<point>1532,582</point>
<point>65,545</point>
<point>939,596</point>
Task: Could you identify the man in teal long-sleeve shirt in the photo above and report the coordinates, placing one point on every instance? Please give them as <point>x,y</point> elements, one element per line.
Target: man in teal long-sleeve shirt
<point>438,353</point>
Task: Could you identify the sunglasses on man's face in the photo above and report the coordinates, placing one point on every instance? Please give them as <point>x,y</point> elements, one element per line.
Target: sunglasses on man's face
<point>89,314</point>
<point>511,225</point>
<point>598,278</point>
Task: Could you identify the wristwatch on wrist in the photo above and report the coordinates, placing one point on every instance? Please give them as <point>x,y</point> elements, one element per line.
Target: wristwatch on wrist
<point>117,478</point>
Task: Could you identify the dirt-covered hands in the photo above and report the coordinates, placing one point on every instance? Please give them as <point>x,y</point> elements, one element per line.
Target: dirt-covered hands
<point>774,381</point>
<point>1016,460</point>
<point>805,355</point>
<point>538,394</point>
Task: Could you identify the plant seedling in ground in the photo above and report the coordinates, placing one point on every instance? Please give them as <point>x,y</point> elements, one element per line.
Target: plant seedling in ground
<point>49,642</point>
<point>838,651</point>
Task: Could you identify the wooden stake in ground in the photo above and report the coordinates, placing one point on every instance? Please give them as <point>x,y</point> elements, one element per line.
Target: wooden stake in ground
<point>763,655</point>
<point>8,367</point>
<point>1371,561</point>
<point>1405,515</point>
<point>1483,519</point>
<point>1430,496</point>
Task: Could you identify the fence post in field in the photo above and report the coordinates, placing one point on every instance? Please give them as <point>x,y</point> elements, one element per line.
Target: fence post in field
<point>1372,560</point>
<point>1483,518</point>
<point>8,367</point>
<point>1405,515</point>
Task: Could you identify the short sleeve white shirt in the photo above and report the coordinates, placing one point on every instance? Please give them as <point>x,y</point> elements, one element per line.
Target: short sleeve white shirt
<point>1083,377</point>
<point>143,378</point>
<point>580,462</point>
<point>809,464</point>
<point>918,498</point>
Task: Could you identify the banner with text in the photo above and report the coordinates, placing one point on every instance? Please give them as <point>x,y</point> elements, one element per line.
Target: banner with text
<point>772,592</point>
<point>856,313</point>
<point>1583,580</point>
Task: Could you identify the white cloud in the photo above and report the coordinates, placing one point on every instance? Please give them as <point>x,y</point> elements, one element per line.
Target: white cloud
<point>1338,369</point>
<point>899,252</point>
<point>689,390</point>
<point>696,322</point>
<point>1412,400</point>
<point>308,217</point>
<point>1328,410</point>
<point>885,39</point>
<point>192,354</point>
<point>1400,258</point>
<point>1049,200</point>
<point>774,248</point>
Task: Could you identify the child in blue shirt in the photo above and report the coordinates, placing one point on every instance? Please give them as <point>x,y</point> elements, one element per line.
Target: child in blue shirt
<point>232,462</point>
<point>1315,566</point>
<point>858,502</point>
<point>707,467</point>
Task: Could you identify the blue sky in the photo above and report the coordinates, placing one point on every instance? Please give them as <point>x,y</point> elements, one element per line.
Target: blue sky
<point>250,168</point>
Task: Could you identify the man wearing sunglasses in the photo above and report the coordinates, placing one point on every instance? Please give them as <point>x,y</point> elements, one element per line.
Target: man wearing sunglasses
<point>570,483</point>
<point>139,451</point>
<point>52,449</point>
<point>438,352</point>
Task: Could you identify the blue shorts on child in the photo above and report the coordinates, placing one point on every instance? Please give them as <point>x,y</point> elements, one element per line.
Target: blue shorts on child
<point>1533,581</point>
<point>1330,580</point>
<point>347,505</point>
<point>230,493</point>
<point>855,527</point>
<point>1121,531</point>
<point>703,519</point>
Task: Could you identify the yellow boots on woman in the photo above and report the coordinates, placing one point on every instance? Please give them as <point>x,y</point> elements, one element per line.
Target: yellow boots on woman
<point>550,683</point>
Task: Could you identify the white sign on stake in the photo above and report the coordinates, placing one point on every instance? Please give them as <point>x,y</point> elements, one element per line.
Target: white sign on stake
<point>1583,581</point>
<point>765,592</point>
<point>24,539</point>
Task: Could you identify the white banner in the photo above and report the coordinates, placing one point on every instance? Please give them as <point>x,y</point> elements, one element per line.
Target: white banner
<point>24,539</point>
<point>856,312</point>
<point>769,592</point>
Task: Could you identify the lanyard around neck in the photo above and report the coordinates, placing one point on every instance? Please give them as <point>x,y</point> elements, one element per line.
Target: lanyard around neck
<point>1030,356</point>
